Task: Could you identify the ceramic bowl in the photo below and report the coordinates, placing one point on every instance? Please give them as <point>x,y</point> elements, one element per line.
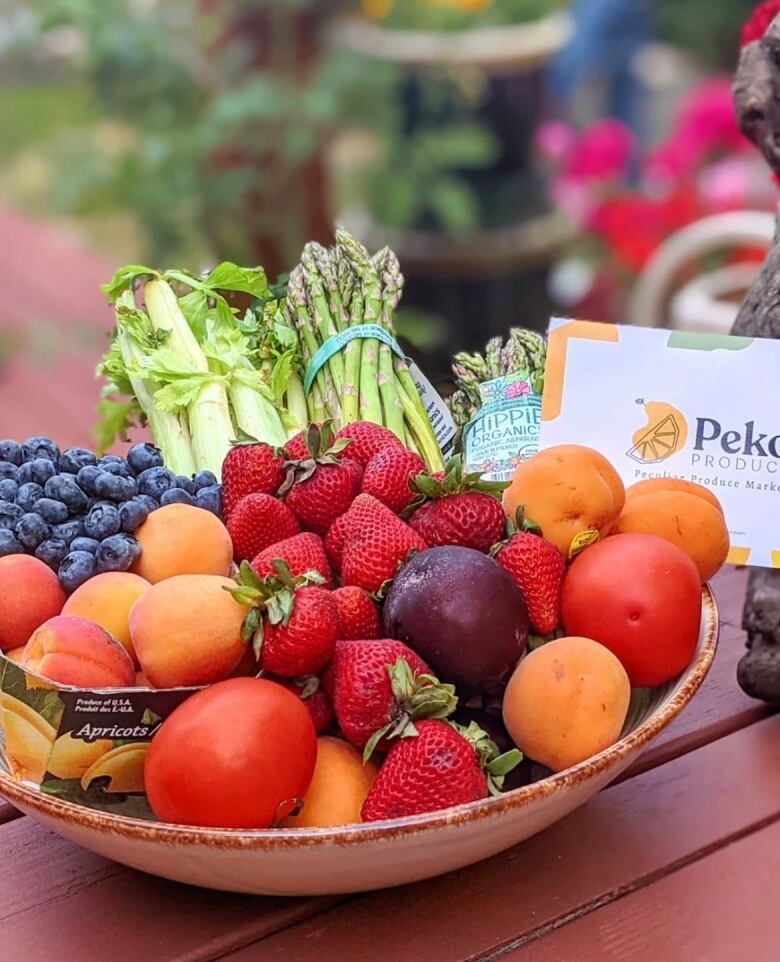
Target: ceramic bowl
<point>371,856</point>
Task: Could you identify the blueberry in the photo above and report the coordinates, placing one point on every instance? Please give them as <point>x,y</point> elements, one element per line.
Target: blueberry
<point>142,457</point>
<point>155,481</point>
<point>30,530</point>
<point>9,514</point>
<point>148,501</point>
<point>76,568</point>
<point>11,451</point>
<point>176,496</point>
<point>39,447</point>
<point>65,488</point>
<point>39,471</point>
<point>8,490</point>
<point>102,521</point>
<point>120,468</point>
<point>114,488</point>
<point>203,479</point>
<point>114,554</point>
<point>89,545</point>
<point>68,531</point>
<point>51,552</point>
<point>74,459</point>
<point>52,512</point>
<point>8,470</point>
<point>132,514</point>
<point>87,476</point>
<point>184,483</point>
<point>210,499</point>
<point>28,494</point>
<point>8,543</point>
<point>105,459</point>
<point>135,548</point>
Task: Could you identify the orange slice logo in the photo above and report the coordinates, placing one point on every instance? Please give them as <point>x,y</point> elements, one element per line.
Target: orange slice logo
<point>665,433</point>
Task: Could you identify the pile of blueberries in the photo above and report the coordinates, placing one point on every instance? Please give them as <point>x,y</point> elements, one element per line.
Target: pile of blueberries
<point>77,512</point>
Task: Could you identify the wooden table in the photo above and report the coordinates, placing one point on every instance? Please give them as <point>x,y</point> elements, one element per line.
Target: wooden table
<point>678,861</point>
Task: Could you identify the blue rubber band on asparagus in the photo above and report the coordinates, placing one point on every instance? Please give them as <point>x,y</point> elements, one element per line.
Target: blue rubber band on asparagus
<point>337,342</point>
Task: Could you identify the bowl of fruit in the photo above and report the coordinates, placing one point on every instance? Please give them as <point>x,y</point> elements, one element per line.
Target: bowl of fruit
<point>337,671</point>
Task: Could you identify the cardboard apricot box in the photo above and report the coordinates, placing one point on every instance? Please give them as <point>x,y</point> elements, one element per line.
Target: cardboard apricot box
<point>82,745</point>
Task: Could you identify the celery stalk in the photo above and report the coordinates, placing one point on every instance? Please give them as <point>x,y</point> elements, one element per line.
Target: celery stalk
<point>208,414</point>
<point>169,431</point>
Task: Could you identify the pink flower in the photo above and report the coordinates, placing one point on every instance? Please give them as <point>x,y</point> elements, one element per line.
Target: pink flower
<point>727,184</point>
<point>601,152</point>
<point>554,141</point>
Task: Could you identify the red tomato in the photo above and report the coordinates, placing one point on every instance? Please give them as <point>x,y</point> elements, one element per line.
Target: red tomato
<point>236,755</point>
<point>639,596</point>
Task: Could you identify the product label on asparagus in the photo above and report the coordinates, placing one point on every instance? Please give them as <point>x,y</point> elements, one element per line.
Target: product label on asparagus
<point>437,411</point>
<point>505,432</point>
<point>339,341</point>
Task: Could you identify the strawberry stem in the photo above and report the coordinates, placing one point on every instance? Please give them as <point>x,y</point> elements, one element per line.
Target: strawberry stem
<point>415,697</point>
<point>496,767</point>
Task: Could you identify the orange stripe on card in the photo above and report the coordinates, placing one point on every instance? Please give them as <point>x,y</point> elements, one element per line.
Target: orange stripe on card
<point>738,556</point>
<point>555,370</point>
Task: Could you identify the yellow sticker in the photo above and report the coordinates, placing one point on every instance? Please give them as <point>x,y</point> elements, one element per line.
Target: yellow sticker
<point>582,541</point>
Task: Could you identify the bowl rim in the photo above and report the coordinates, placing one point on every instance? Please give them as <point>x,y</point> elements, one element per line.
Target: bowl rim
<point>290,838</point>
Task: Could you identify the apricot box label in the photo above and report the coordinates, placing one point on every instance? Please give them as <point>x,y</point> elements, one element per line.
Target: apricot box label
<point>86,747</point>
<point>672,404</point>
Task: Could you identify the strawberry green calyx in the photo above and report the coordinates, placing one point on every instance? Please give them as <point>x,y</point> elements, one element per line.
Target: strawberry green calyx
<point>415,698</point>
<point>454,481</point>
<point>322,447</point>
<point>496,767</point>
<point>272,597</point>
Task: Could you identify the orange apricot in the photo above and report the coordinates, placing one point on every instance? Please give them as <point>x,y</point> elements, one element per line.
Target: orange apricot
<point>652,485</point>
<point>179,539</point>
<point>29,595</point>
<point>566,701</point>
<point>73,651</point>
<point>572,492</point>
<point>106,600</point>
<point>338,789</point>
<point>186,631</point>
<point>686,519</point>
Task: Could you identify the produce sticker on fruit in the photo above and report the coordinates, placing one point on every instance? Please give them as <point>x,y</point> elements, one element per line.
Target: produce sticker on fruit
<point>672,404</point>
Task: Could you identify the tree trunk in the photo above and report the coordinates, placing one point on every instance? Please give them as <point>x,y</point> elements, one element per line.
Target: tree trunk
<point>757,102</point>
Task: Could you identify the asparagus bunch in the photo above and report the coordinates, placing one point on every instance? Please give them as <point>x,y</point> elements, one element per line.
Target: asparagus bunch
<point>523,351</point>
<point>331,291</point>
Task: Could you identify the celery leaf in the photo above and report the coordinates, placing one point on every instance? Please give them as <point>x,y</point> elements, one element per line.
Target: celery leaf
<point>124,279</point>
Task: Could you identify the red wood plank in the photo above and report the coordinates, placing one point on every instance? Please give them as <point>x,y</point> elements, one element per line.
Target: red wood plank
<point>8,812</point>
<point>719,909</point>
<point>623,838</point>
<point>60,902</point>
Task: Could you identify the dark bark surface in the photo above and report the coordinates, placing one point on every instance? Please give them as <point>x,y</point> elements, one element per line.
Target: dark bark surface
<point>757,103</point>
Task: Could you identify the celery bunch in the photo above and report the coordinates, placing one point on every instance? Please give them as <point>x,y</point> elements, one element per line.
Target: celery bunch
<point>181,363</point>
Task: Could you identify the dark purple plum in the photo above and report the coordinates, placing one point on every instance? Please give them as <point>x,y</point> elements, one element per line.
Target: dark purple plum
<point>462,613</point>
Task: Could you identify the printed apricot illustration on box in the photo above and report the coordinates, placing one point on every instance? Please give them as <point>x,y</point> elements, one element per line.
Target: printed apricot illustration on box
<point>664,433</point>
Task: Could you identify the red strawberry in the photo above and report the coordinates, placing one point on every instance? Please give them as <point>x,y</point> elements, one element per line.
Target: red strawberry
<point>314,697</point>
<point>379,687</point>
<point>470,520</point>
<point>293,623</point>
<point>441,766</point>
<point>358,615</point>
<point>250,469</point>
<point>367,439</point>
<point>537,568</point>
<point>459,509</point>
<point>323,485</point>
<point>334,541</point>
<point>301,553</point>
<point>257,521</point>
<point>376,543</point>
<point>388,474</point>
<point>295,449</point>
